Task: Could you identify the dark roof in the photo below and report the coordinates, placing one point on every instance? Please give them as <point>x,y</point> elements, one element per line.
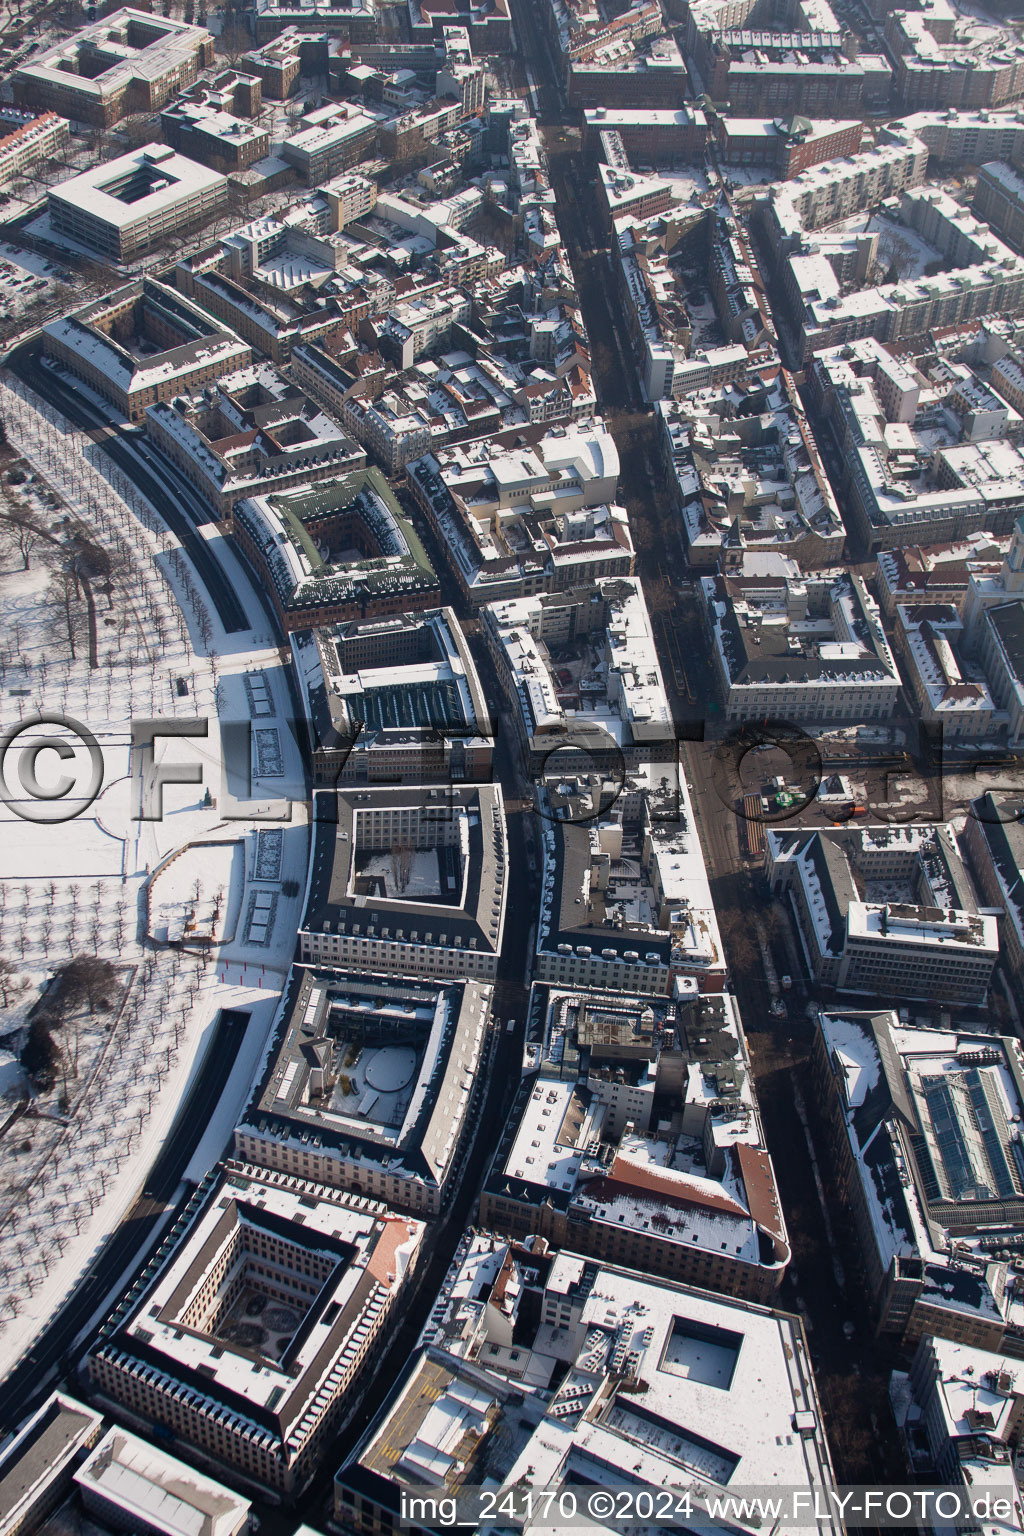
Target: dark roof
<point>1008,622</point>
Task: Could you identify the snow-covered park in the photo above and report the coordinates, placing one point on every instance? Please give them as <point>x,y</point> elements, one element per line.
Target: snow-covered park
<point>228,852</point>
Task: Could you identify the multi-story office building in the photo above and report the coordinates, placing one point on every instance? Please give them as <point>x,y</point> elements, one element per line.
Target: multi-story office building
<point>929,638</point>
<point>354,21</point>
<point>278,64</point>
<point>394,701</point>
<point>785,146</point>
<point>963,1406</point>
<point>625,905</point>
<point>604,696</point>
<point>887,911</point>
<point>218,139</point>
<point>934,573</point>
<point>636,1390</point>
<point>805,648</point>
<point>123,207</point>
<point>339,139</point>
<point>584,1158</point>
<point>143,343</point>
<point>993,842</point>
<point>127,62</point>
<point>339,550</point>
<point>38,1463</point>
<point>253,433</point>
<point>656,135</point>
<point>925,1132</point>
<point>244,1337</point>
<point>371,1085</point>
<point>408,881</point>
<point>527,520</point>
<point>128,1484</point>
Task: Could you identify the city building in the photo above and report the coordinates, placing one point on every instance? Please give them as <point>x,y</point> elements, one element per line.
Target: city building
<point>948,59</point>
<point>924,1132</point>
<point>129,61</point>
<point>127,1484</point>
<point>655,135</point>
<point>824,194</point>
<point>251,433</point>
<point>275,324</point>
<point>408,881</point>
<point>799,647</point>
<point>124,207</point>
<point>927,459</point>
<point>340,550</point>
<point>580,673</point>
<point>370,1085</point>
<point>929,637</point>
<point>218,139</point>
<point>349,197</point>
<point>330,140</point>
<point>244,1336</point>
<point>292,280</point>
<point>743,464</point>
<point>38,1463</point>
<point>142,343</point>
<point>25,140</point>
<point>999,201</point>
<point>960,1410</point>
<point>646,74</point>
<point>487,23</point>
<point>970,137</point>
<point>993,844</point>
<point>934,573</point>
<point>980,276</point>
<point>531,520</point>
<point>625,903</point>
<point>785,146</point>
<point>635,1138</point>
<point>758,73</point>
<point>885,910</point>
<point>354,21</point>
<point>278,63</point>
<point>729,1399</point>
<point>394,701</point>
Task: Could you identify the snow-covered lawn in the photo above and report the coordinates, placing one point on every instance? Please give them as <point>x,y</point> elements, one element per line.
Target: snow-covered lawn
<point>81,886</point>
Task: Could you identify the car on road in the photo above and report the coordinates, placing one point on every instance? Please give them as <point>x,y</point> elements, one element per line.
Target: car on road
<point>778,1008</point>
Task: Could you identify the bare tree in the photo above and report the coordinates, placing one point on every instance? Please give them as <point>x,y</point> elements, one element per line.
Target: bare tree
<point>9,981</point>
<point>22,530</point>
<point>64,590</point>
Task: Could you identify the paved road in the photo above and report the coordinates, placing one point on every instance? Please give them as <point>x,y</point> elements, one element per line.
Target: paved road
<point>128,1247</point>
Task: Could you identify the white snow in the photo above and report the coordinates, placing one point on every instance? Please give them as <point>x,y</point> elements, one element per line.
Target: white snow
<point>79,887</point>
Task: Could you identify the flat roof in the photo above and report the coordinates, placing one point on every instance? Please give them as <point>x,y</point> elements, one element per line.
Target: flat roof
<point>41,1449</point>
<point>139,1483</point>
<point>136,185</point>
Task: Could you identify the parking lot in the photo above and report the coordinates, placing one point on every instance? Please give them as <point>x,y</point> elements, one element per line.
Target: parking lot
<point>26,279</point>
